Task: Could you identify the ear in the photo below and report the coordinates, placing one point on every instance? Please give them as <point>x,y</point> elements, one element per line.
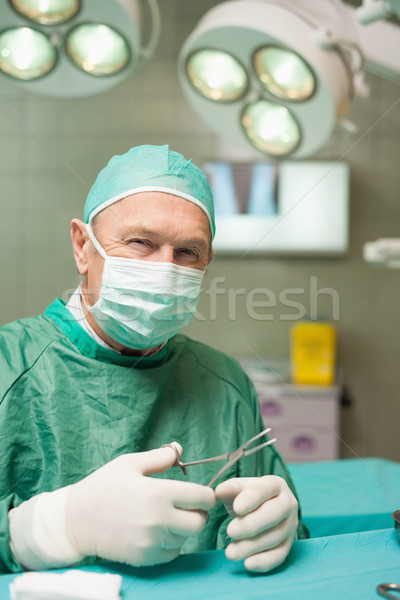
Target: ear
<point>79,238</point>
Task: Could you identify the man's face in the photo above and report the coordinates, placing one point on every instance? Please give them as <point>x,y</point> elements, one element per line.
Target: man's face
<point>153,226</point>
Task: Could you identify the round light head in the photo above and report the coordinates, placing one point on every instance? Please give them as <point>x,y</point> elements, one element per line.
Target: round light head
<point>284,73</point>
<point>271,128</point>
<point>47,12</point>
<point>26,53</point>
<point>295,89</point>
<point>85,68</point>
<point>97,49</point>
<point>217,75</point>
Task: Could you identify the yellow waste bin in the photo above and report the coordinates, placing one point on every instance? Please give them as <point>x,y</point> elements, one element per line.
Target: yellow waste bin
<point>313,353</point>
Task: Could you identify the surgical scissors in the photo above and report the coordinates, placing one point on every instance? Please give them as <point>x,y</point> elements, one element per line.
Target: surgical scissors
<point>231,457</point>
<point>384,588</point>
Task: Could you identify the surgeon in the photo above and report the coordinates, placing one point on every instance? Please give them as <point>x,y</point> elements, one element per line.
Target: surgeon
<point>93,390</point>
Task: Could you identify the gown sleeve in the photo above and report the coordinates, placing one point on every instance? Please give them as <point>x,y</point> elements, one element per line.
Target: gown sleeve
<point>11,368</point>
<point>8,564</point>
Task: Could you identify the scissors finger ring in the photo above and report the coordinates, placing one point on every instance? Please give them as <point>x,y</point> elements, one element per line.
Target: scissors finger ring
<point>384,588</point>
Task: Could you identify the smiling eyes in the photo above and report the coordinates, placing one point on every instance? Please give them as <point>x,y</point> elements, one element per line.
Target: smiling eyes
<point>146,248</point>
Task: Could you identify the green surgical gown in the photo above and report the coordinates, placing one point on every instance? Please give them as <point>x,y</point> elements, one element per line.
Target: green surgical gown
<point>68,406</point>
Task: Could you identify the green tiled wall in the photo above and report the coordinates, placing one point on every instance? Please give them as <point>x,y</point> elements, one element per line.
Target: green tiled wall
<point>51,151</point>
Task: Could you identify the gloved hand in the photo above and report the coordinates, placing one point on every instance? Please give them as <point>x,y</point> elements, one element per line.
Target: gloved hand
<point>264,520</point>
<point>116,513</point>
<point>119,514</point>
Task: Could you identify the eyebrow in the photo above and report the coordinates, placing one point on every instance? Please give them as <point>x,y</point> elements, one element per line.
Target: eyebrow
<point>125,231</point>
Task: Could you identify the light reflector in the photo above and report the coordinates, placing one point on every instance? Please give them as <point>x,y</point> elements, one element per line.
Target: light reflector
<point>26,53</point>
<point>284,73</point>
<point>271,127</point>
<point>47,12</point>
<point>217,75</point>
<point>97,49</point>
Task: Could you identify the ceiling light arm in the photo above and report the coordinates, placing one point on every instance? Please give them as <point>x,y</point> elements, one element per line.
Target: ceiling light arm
<point>377,41</point>
<point>324,39</point>
<point>147,51</point>
<point>374,10</point>
<point>354,61</point>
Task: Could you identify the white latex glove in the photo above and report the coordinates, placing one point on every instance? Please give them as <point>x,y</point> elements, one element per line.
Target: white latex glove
<point>116,513</point>
<point>119,514</point>
<point>264,520</point>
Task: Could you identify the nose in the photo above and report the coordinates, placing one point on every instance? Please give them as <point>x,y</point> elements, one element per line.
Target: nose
<point>164,254</point>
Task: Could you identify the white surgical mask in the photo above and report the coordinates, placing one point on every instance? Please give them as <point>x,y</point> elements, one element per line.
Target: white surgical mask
<point>143,303</point>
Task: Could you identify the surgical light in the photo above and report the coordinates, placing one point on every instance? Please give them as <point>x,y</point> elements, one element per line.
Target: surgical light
<point>47,12</point>
<point>72,48</point>
<point>217,75</point>
<point>303,64</point>
<point>26,53</point>
<point>284,73</point>
<point>97,49</point>
<point>271,127</point>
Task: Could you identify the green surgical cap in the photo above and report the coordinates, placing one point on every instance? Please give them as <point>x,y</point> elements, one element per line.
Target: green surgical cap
<point>146,169</point>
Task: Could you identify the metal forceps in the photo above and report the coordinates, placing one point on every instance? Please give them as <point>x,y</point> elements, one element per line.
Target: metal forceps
<point>230,457</point>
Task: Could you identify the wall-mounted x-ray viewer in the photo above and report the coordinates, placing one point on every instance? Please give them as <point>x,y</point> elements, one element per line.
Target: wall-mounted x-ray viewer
<point>289,208</point>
